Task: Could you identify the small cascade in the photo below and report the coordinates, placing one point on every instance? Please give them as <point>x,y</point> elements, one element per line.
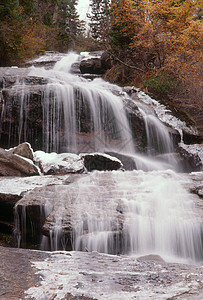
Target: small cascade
<point>24,103</point>
<point>82,112</point>
<point>130,213</point>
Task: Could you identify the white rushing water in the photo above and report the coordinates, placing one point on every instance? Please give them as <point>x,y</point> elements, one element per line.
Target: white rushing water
<point>81,115</point>
<point>130,212</point>
<point>137,212</point>
<point>81,108</point>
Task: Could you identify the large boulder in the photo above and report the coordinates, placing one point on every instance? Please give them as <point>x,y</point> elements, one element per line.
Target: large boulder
<point>101,162</point>
<point>24,150</point>
<point>53,163</point>
<point>192,156</point>
<point>15,165</point>
<point>128,161</point>
<point>95,63</point>
<point>91,66</point>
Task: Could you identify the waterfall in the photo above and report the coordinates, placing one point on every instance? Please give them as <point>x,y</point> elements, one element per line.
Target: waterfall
<point>142,211</point>
<point>80,115</point>
<point>132,212</point>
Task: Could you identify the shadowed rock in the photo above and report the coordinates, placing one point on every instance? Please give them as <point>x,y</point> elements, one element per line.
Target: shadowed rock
<point>101,162</point>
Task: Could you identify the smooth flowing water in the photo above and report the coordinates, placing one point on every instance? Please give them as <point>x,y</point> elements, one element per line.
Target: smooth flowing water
<point>81,115</point>
<point>131,212</point>
<point>114,212</point>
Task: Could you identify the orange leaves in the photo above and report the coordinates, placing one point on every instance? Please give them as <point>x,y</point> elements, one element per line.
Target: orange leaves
<point>123,15</point>
<point>32,39</point>
<point>165,29</point>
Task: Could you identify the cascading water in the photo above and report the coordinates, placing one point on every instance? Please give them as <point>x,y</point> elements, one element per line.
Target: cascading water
<point>115,212</point>
<point>154,215</point>
<point>131,212</point>
<point>83,109</point>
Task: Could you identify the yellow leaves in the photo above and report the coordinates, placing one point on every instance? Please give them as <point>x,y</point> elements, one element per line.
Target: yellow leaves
<point>167,31</point>
<point>32,39</point>
<point>123,14</point>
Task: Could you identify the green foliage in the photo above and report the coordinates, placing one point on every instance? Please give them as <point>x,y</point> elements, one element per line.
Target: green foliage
<point>161,84</point>
<point>28,27</point>
<point>7,9</point>
<point>100,20</point>
<point>117,39</point>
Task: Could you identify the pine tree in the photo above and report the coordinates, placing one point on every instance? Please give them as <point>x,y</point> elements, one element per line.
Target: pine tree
<point>100,19</point>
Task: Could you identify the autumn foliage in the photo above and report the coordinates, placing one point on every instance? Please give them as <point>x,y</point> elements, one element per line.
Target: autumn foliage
<point>161,35</point>
<point>28,28</point>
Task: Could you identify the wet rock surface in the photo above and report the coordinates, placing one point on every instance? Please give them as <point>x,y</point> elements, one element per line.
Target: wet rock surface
<point>27,274</point>
<point>101,162</point>
<point>16,272</point>
<point>196,186</point>
<point>47,60</point>
<point>101,276</point>
<point>192,160</point>
<point>62,209</point>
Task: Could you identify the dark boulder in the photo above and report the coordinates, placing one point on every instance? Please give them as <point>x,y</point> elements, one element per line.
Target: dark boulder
<point>96,63</point>
<point>106,61</point>
<point>91,66</point>
<point>7,203</point>
<point>128,161</point>
<point>191,160</point>
<point>101,162</point>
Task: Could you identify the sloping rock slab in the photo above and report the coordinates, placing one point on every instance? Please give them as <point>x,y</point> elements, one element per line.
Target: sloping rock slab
<point>101,162</point>
<point>80,275</point>
<point>17,273</point>
<point>15,165</point>
<point>28,274</point>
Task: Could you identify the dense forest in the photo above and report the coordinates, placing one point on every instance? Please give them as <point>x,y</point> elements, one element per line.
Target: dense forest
<point>155,45</point>
<point>30,27</point>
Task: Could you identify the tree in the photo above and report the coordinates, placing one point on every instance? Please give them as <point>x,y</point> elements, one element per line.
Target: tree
<point>29,27</point>
<point>100,20</point>
<point>159,33</point>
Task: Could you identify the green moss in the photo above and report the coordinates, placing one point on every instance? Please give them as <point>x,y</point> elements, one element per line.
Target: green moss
<point>161,84</point>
